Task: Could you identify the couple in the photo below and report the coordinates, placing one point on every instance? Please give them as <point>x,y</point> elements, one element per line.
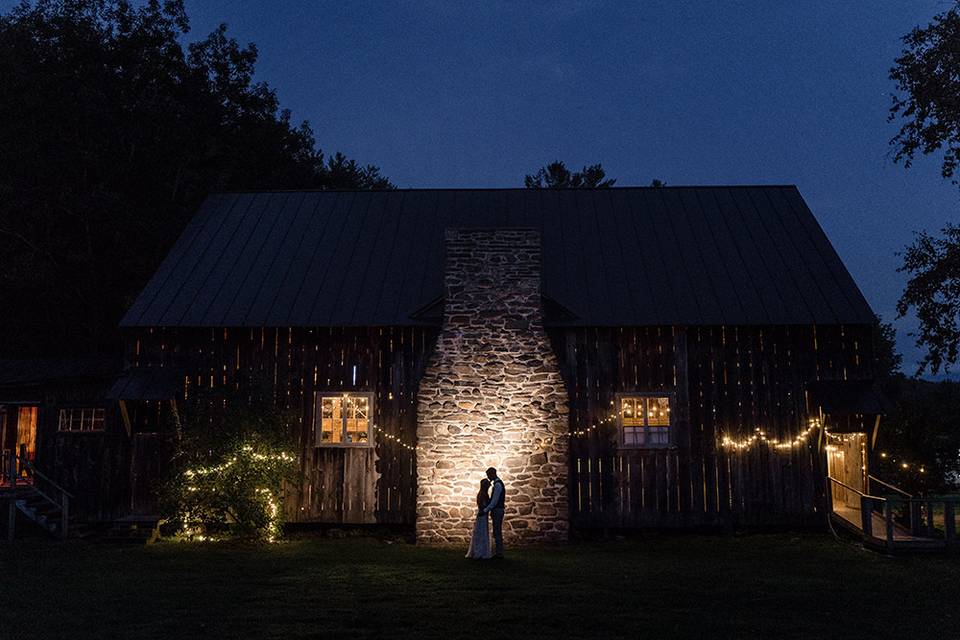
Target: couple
<point>488,504</point>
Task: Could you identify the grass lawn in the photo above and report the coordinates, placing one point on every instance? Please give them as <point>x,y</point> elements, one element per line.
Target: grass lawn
<point>690,586</point>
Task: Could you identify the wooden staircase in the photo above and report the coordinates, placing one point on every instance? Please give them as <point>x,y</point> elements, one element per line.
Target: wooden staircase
<point>45,514</point>
<point>34,495</point>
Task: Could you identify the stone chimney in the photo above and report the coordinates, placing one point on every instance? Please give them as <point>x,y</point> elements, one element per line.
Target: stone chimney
<point>492,395</point>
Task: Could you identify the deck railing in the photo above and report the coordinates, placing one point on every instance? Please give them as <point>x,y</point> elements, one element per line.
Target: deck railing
<point>18,467</point>
<point>5,466</point>
<point>875,480</point>
<point>857,500</point>
<point>905,519</point>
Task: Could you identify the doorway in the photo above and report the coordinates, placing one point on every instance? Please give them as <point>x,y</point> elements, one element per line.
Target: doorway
<point>847,470</point>
<point>18,434</point>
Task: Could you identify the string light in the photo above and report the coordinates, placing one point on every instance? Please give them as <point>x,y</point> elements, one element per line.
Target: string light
<point>904,464</point>
<point>760,436</point>
<point>579,433</point>
<point>396,440</point>
<point>192,529</point>
<point>205,471</point>
<point>273,513</point>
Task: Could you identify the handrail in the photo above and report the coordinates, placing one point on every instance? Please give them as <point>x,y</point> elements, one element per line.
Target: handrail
<point>63,504</point>
<point>889,486</point>
<point>42,475</point>
<point>855,490</point>
<point>918,524</point>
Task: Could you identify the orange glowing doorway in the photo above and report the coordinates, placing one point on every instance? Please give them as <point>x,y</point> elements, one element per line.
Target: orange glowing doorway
<point>847,471</point>
<point>27,432</point>
<point>18,434</point>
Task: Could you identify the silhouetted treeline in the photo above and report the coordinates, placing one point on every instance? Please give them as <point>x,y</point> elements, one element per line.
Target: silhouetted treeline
<point>111,134</point>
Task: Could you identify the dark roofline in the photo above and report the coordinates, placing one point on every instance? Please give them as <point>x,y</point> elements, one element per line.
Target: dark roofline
<point>21,372</point>
<point>409,189</point>
<point>626,256</point>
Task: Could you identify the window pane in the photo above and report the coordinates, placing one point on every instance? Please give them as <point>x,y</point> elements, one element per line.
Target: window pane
<point>358,422</point>
<point>658,411</point>
<point>64,423</point>
<point>645,421</point>
<point>658,436</point>
<point>345,419</point>
<point>331,420</point>
<point>632,412</point>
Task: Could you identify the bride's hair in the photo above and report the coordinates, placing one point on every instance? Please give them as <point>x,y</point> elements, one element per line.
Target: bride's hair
<point>483,496</point>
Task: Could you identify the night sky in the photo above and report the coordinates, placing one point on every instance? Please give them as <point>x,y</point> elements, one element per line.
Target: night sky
<point>447,94</point>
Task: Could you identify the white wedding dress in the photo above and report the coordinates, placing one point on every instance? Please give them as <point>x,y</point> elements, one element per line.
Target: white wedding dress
<point>480,548</point>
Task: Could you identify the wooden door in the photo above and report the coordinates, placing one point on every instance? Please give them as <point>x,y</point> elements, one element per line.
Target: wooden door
<point>145,473</point>
<point>847,463</point>
<point>27,432</point>
<point>339,485</point>
<point>8,439</point>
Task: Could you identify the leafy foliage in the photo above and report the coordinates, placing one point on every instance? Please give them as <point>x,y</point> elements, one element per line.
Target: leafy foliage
<point>111,134</point>
<point>888,359</point>
<point>933,291</point>
<point>921,428</point>
<point>556,176</point>
<point>927,75</point>
<point>921,431</point>
<point>232,457</point>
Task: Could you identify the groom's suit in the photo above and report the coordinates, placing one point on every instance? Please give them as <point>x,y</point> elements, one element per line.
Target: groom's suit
<point>498,500</point>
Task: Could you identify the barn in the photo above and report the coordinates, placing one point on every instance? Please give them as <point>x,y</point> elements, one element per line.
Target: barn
<point>627,358</point>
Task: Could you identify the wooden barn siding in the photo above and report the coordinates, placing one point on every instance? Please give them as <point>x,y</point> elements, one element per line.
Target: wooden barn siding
<point>340,484</point>
<point>727,381</point>
<point>93,466</point>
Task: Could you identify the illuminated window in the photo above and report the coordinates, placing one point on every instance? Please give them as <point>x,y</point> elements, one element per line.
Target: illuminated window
<point>645,421</point>
<point>344,419</point>
<point>81,419</point>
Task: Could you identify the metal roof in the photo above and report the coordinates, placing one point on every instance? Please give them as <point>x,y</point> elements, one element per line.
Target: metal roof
<point>146,383</point>
<point>37,371</point>
<point>611,257</point>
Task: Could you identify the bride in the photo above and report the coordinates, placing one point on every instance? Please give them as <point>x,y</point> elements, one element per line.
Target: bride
<point>480,542</point>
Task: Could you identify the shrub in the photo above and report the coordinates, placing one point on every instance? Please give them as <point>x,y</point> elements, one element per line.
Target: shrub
<point>233,456</point>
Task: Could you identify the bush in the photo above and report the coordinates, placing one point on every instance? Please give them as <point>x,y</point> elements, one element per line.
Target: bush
<point>233,457</point>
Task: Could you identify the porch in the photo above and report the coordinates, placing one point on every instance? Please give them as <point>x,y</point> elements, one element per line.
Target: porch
<point>896,521</point>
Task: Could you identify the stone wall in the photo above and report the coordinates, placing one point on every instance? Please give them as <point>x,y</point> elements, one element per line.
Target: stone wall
<point>492,395</point>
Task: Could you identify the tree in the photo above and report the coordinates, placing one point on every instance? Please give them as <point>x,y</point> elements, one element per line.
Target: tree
<point>933,291</point>
<point>918,443</point>
<point>888,359</point>
<point>918,447</point>
<point>927,75</point>
<point>111,134</point>
<point>556,176</point>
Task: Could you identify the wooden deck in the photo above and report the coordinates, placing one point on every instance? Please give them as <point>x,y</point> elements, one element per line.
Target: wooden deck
<point>902,539</point>
<point>851,517</point>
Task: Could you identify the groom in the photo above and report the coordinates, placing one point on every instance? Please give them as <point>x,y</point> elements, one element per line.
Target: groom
<point>495,508</point>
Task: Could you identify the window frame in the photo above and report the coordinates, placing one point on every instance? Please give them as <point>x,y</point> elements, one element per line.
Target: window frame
<point>81,408</point>
<point>318,421</point>
<point>671,397</point>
